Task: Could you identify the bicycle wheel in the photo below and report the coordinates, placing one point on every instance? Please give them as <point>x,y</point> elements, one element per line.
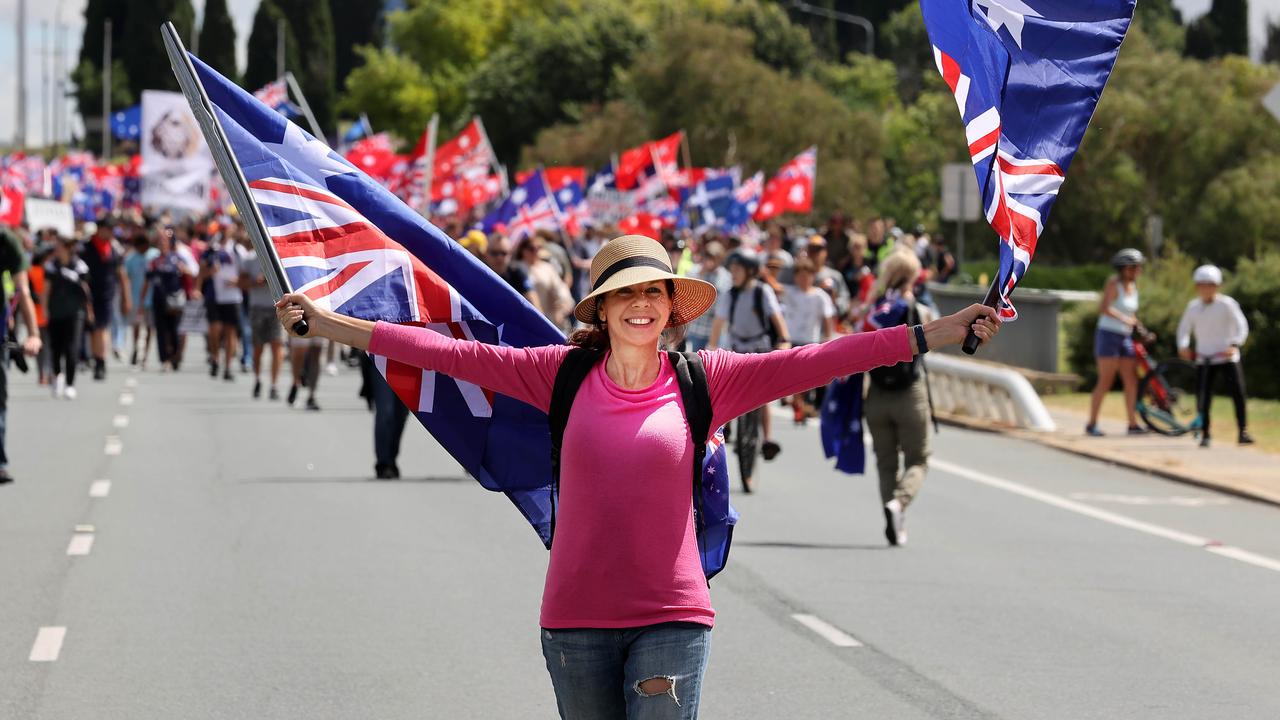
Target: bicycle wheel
<point>1167,398</point>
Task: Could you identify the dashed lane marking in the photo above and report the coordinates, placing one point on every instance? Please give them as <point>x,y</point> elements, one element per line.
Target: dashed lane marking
<point>131,382</point>
<point>100,488</point>
<point>48,644</point>
<point>826,630</point>
<point>120,421</point>
<point>126,398</point>
<point>113,446</point>
<point>81,543</point>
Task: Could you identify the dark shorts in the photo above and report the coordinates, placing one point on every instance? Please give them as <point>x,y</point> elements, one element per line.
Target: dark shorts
<point>102,311</point>
<point>228,313</point>
<point>1107,344</point>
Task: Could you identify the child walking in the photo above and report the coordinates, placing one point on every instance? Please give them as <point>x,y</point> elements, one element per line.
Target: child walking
<point>1219,329</point>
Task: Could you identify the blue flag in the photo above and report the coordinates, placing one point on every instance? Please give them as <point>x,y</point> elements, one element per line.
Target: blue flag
<point>333,227</point>
<point>1027,75</point>
<point>127,124</point>
<point>359,129</point>
<point>528,209</point>
<point>711,203</point>
<point>841,425</point>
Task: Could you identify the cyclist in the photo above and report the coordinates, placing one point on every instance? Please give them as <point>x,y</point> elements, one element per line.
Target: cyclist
<point>755,325</point>
<point>1219,329</point>
<point>1113,341</point>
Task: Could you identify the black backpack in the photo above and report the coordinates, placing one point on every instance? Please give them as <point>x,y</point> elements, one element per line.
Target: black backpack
<point>712,523</point>
<point>767,322</point>
<point>904,374</point>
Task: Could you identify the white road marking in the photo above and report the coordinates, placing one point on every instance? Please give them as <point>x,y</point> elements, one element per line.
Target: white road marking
<point>100,488</point>
<point>1125,521</point>
<point>48,644</point>
<point>1176,500</point>
<point>81,544</point>
<point>131,382</point>
<point>113,445</point>
<point>85,529</point>
<point>120,421</point>
<point>126,398</point>
<point>826,630</point>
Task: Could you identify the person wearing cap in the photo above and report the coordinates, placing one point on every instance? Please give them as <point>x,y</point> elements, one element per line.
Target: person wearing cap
<point>1219,328</point>
<point>626,611</point>
<point>1113,341</point>
<point>475,243</point>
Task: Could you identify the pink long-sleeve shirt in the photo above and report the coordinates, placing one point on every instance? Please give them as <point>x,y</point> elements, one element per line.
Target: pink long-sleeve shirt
<point>625,552</point>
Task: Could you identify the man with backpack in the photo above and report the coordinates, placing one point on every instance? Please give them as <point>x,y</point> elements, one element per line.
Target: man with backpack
<point>751,314</point>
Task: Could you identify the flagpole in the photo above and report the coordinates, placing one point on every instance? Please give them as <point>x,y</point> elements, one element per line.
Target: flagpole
<point>224,159</point>
<point>306,108</point>
<point>429,175</point>
<point>493,157</point>
<point>685,151</point>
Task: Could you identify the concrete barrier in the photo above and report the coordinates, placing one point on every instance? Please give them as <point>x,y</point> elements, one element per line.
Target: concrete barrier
<point>985,392</point>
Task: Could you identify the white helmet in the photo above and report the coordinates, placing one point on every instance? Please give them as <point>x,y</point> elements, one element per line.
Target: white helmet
<point>1207,274</point>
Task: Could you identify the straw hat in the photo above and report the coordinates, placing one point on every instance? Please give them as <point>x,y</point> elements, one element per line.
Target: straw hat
<point>633,259</point>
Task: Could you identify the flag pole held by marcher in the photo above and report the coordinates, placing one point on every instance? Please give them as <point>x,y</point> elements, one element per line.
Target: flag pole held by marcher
<point>223,157</point>
<point>992,300</point>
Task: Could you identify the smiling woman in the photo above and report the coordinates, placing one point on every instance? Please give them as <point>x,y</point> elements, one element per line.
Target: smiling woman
<point>626,612</point>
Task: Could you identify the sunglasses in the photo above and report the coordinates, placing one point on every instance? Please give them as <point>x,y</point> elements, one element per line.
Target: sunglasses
<point>498,253</point>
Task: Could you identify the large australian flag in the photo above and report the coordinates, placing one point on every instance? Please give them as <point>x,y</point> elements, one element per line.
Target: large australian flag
<point>355,248</point>
<point>1027,76</point>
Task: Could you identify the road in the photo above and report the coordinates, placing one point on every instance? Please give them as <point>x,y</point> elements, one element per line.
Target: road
<point>242,565</point>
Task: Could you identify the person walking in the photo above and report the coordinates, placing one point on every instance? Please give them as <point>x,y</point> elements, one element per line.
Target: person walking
<point>222,265</point>
<point>67,301</point>
<point>263,328</point>
<point>896,409</point>
<point>1113,340</point>
<point>626,615</point>
<point>810,316</point>
<point>554,299</point>
<point>107,280</point>
<point>168,275</point>
<point>13,260</point>
<point>136,262</point>
<point>1219,328</point>
<point>498,257</point>
<point>710,268</point>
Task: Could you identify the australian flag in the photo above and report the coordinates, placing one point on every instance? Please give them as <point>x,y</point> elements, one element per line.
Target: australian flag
<point>1027,76</point>
<point>711,203</point>
<point>528,209</point>
<point>333,227</point>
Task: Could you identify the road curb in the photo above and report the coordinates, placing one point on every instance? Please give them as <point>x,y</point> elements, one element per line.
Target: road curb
<point>1049,440</point>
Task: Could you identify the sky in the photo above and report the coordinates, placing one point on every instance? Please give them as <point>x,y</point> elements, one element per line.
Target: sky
<point>42,11</point>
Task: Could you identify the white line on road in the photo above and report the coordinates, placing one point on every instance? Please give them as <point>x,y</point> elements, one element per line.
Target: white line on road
<point>48,644</point>
<point>126,398</point>
<point>120,421</point>
<point>81,544</point>
<point>826,630</point>
<point>1106,516</point>
<point>1175,500</point>
<point>100,488</point>
<point>113,445</point>
<point>131,382</point>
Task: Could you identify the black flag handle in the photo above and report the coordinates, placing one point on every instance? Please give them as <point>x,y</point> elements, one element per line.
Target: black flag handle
<point>224,158</point>
<point>971,341</point>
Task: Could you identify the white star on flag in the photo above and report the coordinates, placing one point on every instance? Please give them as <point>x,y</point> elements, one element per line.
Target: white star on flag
<point>304,151</point>
<point>1010,14</point>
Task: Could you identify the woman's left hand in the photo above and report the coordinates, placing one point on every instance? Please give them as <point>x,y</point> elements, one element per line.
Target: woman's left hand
<point>952,329</point>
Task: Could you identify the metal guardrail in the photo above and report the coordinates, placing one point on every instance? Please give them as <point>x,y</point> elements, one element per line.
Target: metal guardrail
<point>985,392</point>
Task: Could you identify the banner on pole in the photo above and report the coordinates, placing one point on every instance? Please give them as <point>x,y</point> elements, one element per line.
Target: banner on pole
<point>177,168</point>
<point>43,214</point>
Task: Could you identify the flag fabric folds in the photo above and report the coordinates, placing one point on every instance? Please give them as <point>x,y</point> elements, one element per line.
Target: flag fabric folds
<point>529,208</point>
<point>275,95</point>
<point>334,227</point>
<point>791,190</point>
<point>1027,76</point>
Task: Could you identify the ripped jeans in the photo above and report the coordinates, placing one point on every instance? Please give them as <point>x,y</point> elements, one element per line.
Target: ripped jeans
<point>645,673</point>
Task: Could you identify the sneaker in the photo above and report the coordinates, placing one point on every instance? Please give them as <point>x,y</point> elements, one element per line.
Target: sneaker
<point>133,359</point>
<point>770,449</point>
<point>332,369</point>
<point>1245,438</point>
<point>226,375</point>
<point>213,369</point>
<point>293,395</point>
<point>244,367</point>
<point>274,394</point>
<point>312,404</point>
<point>383,472</point>
<point>59,387</point>
<point>100,370</point>
<point>1138,430</point>
<point>1093,431</point>
<point>70,392</point>
<point>748,485</point>
<point>257,389</point>
<point>5,477</point>
<point>1204,441</point>
<point>893,521</point>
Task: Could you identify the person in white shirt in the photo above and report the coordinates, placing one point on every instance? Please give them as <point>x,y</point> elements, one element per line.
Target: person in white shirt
<point>1219,329</point>
<point>811,318</point>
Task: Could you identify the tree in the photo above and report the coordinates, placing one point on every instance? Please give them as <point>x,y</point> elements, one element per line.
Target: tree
<point>313,27</point>
<point>567,57</point>
<point>1224,30</point>
<point>355,23</point>
<point>261,67</point>
<point>218,39</point>
<point>1271,50</point>
<point>392,90</point>
<point>87,79</point>
<point>776,42</point>
<point>143,51</point>
<point>905,42</point>
<point>1162,23</point>
<point>87,75</point>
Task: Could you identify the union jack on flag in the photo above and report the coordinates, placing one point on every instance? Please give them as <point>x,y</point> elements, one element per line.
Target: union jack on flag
<point>529,208</point>
<point>275,95</point>
<point>333,226</point>
<point>1027,76</point>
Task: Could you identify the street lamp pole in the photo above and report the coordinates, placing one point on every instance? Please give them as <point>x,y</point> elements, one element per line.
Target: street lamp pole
<point>850,18</point>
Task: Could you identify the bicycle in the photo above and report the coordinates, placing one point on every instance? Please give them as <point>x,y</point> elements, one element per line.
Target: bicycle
<point>1167,393</point>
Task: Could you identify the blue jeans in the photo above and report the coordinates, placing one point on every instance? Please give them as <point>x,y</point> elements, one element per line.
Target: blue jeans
<point>597,674</point>
<point>389,416</point>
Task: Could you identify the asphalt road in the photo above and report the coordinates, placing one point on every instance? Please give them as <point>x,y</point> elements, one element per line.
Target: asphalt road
<point>243,565</point>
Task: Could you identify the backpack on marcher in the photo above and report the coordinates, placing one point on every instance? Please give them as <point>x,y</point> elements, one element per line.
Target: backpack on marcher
<point>713,516</point>
<point>903,374</point>
<point>766,322</point>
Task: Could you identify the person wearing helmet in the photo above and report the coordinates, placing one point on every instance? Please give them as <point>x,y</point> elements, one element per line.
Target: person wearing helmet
<point>754,325</point>
<point>1113,341</point>
<point>1219,329</point>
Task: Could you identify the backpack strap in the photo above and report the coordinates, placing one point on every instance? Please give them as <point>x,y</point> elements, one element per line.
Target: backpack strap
<point>572,373</point>
<point>766,322</point>
<point>696,396</point>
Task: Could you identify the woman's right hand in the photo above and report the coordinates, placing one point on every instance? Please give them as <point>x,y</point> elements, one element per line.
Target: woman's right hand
<point>294,307</point>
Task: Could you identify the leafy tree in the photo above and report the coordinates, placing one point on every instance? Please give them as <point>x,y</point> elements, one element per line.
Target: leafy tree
<point>261,67</point>
<point>566,57</point>
<point>355,23</point>
<point>392,90</point>
<point>1224,30</point>
<point>87,75</point>
<point>1271,50</point>
<point>87,78</point>
<point>863,83</point>
<point>905,42</point>
<point>1162,23</point>
<point>218,39</point>
<point>143,51</point>
<point>313,26</point>
<point>775,41</point>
